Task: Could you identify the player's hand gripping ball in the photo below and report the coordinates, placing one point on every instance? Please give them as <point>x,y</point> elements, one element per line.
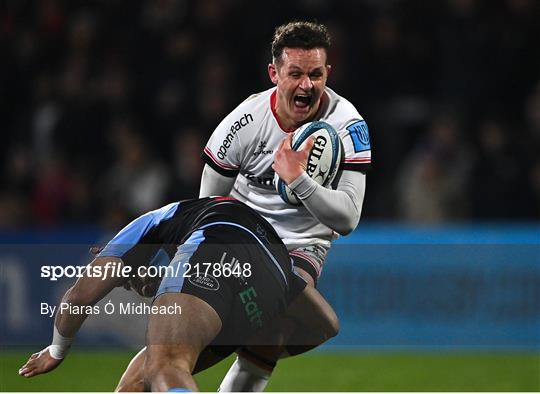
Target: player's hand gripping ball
<point>323,161</point>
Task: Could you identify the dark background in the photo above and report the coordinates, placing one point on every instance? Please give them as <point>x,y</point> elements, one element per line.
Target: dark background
<point>105,105</point>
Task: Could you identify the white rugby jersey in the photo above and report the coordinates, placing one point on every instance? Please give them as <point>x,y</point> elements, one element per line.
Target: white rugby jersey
<point>243,146</point>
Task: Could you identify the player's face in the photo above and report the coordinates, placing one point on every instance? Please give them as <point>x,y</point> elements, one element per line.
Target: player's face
<point>300,77</point>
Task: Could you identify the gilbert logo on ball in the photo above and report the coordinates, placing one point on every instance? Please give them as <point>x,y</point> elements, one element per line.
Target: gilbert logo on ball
<point>323,161</point>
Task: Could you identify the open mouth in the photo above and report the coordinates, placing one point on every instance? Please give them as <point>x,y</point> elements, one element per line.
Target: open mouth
<point>302,100</point>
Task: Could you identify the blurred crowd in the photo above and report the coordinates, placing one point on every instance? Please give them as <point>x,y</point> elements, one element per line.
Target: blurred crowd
<point>106,104</point>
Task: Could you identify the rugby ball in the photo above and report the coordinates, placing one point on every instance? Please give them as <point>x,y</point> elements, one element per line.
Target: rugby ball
<point>323,161</point>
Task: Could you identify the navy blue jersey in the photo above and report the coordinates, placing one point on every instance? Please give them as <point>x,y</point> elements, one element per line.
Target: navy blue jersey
<point>154,237</point>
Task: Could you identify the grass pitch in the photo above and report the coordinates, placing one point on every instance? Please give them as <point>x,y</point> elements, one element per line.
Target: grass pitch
<point>318,371</point>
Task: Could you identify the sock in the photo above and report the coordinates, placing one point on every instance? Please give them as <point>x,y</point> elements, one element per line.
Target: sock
<point>245,375</point>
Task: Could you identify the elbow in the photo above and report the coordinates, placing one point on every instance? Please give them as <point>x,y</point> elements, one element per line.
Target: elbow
<point>347,225</point>
<point>350,218</point>
<point>332,327</point>
<point>344,231</point>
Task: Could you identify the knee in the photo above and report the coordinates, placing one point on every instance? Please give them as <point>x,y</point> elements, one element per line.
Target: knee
<point>152,368</point>
<point>131,386</point>
<point>332,325</point>
<point>329,322</point>
<point>163,365</point>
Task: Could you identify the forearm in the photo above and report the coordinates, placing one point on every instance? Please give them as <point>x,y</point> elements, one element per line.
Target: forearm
<point>338,209</point>
<point>86,292</point>
<point>215,184</point>
<point>66,325</point>
<point>66,322</point>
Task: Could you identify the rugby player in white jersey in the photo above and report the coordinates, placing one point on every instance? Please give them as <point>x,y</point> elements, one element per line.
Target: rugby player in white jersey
<point>253,141</point>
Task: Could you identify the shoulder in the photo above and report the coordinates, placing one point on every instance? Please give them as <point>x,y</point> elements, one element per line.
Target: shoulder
<point>248,114</point>
<point>340,112</point>
<point>256,102</point>
<point>353,130</point>
<point>257,98</point>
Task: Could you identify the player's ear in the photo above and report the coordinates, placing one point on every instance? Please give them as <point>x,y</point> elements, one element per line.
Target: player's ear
<point>328,69</point>
<point>272,73</point>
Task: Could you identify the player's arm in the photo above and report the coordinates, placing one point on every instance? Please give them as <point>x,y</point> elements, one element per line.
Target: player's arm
<point>87,291</point>
<point>338,209</point>
<point>224,152</point>
<point>215,184</point>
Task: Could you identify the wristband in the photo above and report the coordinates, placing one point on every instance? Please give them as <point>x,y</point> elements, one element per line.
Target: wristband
<point>60,345</point>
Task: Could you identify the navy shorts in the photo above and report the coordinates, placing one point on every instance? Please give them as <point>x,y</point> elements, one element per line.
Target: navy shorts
<point>247,297</point>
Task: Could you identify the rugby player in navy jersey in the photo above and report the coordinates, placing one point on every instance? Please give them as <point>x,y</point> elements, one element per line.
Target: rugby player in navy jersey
<point>221,309</point>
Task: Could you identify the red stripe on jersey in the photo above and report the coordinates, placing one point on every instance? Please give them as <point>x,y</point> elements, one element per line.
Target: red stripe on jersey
<point>363,160</point>
<point>276,116</point>
<point>224,199</point>
<point>273,98</point>
<point>211,155</point>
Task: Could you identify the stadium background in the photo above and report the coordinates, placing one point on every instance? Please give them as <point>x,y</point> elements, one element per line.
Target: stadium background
<point>105,107</point>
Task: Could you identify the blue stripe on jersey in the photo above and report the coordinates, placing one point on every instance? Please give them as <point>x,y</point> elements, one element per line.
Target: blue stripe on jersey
<point>254,236</point>
<point>130,235</point>
<point>174,283</point>
<point>160,259</point>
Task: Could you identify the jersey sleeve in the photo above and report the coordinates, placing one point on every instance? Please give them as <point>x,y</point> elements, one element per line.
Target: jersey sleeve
<point>137,243</point>
<point>357,145</point>
<point>223,151</point>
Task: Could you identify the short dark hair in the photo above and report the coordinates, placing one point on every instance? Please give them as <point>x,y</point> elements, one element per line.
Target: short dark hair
<point>305,35</point>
